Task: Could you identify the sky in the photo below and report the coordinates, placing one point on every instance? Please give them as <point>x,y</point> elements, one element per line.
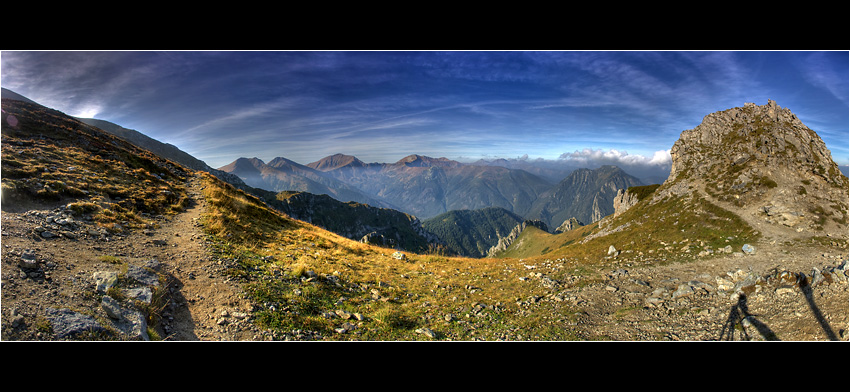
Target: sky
<point>620,106</point>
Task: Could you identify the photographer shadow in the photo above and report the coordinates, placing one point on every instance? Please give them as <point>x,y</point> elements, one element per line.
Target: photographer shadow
<point>810,299</point>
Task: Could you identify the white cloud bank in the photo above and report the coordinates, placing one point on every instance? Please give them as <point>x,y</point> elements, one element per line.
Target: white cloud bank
<point>618,158</point>
<point>650,169</point>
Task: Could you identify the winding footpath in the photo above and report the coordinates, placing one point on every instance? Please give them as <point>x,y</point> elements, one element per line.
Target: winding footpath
<point>204,304</point>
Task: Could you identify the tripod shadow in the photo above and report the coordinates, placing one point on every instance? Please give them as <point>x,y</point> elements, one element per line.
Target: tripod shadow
<point>740,315</point>
<point>740,318</point>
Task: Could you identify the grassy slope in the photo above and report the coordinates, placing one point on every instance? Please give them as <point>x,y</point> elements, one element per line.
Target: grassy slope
<point>50,158</point>
<point>676,228</point>
<point>296,272</point>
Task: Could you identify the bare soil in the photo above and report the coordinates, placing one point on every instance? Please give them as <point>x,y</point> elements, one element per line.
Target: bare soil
<point>203,304</point>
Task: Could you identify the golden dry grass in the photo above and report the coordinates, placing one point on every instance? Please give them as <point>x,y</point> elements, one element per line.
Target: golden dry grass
<point>279,257</point>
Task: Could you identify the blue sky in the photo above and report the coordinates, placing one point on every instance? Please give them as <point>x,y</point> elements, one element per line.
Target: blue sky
<point>382,106</point>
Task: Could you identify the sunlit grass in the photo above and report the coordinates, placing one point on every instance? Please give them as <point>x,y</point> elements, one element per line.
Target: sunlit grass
<point>297,274</point>
<point>50,158</point>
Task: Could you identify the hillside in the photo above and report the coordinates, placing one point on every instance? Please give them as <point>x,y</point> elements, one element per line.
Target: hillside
<point>141,248</point>
<point>360,222</point>
<point>472,232</point>
<point>165,150</point>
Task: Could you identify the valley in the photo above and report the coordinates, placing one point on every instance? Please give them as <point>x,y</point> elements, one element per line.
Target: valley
<point>430,188</point>
<point>141,247</point>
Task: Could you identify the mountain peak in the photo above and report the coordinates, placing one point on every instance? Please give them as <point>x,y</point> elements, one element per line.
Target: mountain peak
<point>254,161</point>
<point>281,162</point>
<point>244,166</point>
<point>416,160</point>
<point>336,161</point>
<point>767,136</point>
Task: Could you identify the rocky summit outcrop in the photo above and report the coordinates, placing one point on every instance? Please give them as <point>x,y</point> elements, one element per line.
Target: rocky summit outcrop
<point>762,160</point>
<point>769,134</point>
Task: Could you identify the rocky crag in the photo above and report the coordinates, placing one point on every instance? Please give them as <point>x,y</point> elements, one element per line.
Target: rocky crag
<point>506,241</point>
<point>572,224</point>
<point>762,163</point>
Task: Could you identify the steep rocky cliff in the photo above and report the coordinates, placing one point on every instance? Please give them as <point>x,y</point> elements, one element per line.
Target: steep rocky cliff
<point>626,198</point>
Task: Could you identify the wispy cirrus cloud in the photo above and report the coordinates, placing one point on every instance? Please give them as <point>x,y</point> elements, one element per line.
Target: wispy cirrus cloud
<point>539,103</point>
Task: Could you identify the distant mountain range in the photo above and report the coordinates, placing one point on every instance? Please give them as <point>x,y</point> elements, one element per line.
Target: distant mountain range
<point>426,187</point>
<point>281,174</point>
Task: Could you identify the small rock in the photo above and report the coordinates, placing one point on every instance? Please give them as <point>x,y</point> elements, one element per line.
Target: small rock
<point>817,277</point>
<point>28,260</point>
<point>399,256</point>
<point>427,332</point>
<point>785,289</point>
<point>142,275</point>
<point>748,249</point>
<point>17,321</point>
<point>104,280</point>
<point>684,290</point>
<point>111,306</point>
<point>67,323</point>
<point>143,294</point>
